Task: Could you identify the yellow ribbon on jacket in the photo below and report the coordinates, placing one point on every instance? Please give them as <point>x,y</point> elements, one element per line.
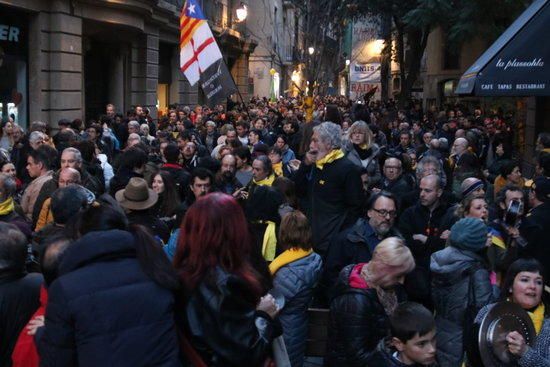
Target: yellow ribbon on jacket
<point>287,257</point>
<point>278,169</point>
<point>269,244</point>
<point>537,317</point>
<point>335,154</point>
<point>7,206</point>
<point>268,181</point>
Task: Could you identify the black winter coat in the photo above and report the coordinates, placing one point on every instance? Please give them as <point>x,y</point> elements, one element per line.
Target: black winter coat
<point>19,299</point>
<point>223,325</point>
<point>335,195</point>
<point>357,323</point>
<point>104,311</point>
<point>354,245</point>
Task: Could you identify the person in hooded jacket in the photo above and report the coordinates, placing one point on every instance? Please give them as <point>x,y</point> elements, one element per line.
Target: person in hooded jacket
<point>295,273</point>
<point>113,301</point>
<point>367,295</point>
<point>361,150</point>
<point>460,282</point>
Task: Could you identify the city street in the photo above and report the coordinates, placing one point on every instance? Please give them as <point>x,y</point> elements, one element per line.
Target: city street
<point>274,183</point>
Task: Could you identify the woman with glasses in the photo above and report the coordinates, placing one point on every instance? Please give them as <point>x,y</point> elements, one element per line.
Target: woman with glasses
<point>362,151</point>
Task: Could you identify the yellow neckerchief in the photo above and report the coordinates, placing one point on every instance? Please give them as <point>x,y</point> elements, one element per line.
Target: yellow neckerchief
<point>537,317</point>
<point>269,244</point>
<point>287,257</point>
<point>329,158</point>
<point>7,206</point>
<point>364,146</point>
<point>268,181</point>
<point>278,169</point>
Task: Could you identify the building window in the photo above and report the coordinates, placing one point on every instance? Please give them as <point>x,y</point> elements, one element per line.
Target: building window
<point>13,66</point>
<point>451,57</point>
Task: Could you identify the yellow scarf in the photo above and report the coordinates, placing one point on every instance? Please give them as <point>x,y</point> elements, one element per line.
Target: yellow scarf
<point>268,181</point>
<point>269,244</point>
<point>7,206</point>
<point>329,158</point>
<point>537,317</point>
<point>287,257</point>
<point>278,169</point>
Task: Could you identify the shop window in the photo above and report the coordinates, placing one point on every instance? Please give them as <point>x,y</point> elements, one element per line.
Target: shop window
<point>162,99</point>
<point>13,66</point>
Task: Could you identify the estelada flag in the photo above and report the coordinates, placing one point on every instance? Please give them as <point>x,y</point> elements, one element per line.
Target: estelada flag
<point>200,57</point>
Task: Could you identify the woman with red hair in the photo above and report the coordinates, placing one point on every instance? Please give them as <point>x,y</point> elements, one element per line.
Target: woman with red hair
<point>226,321</point>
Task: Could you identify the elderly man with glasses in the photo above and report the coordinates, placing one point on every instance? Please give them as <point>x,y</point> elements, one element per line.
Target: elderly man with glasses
<point>356,244</point>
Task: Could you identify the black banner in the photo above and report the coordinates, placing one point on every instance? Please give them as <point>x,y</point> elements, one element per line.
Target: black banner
<point>13,33</point>
<point>217,83</point>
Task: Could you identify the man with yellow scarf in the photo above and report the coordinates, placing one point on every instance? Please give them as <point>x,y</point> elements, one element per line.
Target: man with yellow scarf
<point>263,216</point>
<point>8,213</point>
<point>330,185</point>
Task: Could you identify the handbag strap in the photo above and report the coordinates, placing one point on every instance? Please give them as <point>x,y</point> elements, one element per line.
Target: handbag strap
<point>189,351</point>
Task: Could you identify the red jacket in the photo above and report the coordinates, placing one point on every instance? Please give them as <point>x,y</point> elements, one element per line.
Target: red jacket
<point>24,353</point>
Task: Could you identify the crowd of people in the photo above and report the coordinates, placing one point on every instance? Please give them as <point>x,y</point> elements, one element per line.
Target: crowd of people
<point>203,238</point>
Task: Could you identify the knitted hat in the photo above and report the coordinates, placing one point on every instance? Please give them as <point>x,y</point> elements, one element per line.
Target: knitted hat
<point>469,234</point>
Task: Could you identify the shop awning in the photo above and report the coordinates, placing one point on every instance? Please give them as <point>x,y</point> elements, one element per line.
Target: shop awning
<point>518,63</point>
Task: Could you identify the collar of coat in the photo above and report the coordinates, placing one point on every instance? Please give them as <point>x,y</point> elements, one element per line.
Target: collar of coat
<point>288,257</point>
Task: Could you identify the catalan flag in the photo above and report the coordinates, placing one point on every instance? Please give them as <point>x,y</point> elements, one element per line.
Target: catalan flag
<point>497,239</point>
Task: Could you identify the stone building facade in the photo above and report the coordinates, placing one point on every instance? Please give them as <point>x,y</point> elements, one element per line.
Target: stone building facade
<point>75,56</point>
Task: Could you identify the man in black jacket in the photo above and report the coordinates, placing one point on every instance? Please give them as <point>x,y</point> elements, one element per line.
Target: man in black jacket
<point>332,186</point>
<point>421,227</point>
<point>394,181</point>
<point>19,291</point>
<point>356,244</point>
<point>534,229</point>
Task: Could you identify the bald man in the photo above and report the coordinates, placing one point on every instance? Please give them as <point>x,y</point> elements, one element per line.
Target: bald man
<point>464,164</point>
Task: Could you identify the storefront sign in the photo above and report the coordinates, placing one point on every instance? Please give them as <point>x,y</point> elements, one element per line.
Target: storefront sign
<point>13,34</point>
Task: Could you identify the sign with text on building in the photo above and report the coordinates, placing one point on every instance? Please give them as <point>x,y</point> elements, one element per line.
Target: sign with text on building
<point>365,73</point>
<point>358,89</point>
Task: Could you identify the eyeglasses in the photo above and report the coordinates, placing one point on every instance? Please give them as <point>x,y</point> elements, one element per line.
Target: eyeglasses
<point>385,213</point>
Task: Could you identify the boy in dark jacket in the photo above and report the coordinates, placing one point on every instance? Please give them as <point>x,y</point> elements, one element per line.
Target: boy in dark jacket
<point>412,340</point>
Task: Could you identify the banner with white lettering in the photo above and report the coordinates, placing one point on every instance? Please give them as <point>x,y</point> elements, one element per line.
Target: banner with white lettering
<point>365,73</point>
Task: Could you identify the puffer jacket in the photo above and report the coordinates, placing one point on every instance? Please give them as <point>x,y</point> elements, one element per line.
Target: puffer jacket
<point>370,163</point>
<point>357,322</point>
<point>104,311</point>
<point>453,271</point>
<point>295,281</point>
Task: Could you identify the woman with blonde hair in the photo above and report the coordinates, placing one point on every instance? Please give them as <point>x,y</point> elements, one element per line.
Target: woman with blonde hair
<point>360,148</point>
<point>365,296</point>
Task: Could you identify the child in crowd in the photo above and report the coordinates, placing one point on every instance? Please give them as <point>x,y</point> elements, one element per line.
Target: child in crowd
<point>412,339</point>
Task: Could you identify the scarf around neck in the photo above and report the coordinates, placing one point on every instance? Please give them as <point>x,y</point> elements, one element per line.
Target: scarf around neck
<point>334,155</point>
<point>268,181</point>
<point>7,206</point>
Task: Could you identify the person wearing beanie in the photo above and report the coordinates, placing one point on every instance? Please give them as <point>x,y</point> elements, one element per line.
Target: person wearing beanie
<point>461,286</point>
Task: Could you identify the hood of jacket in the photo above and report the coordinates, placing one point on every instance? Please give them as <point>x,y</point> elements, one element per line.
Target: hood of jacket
<point>452,263</point>
<point>98,246</point>
<point>347,282</point>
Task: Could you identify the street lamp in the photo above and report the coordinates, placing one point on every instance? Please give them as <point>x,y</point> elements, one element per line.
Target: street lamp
<point>242,13</point>
<point>348,62</point>
<point>311,50</point>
